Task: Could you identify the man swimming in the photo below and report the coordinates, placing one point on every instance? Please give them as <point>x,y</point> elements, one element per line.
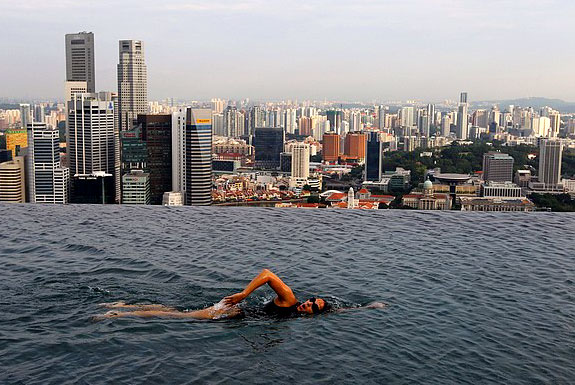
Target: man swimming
<point>284,305</point>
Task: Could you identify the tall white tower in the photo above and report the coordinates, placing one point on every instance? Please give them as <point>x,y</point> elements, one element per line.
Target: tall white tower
<point>132,83</point>
<point>299,164</point>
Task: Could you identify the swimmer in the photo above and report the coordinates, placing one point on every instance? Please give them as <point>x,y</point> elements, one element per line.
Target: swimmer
<point>217,311</point>
<point>285,304</point>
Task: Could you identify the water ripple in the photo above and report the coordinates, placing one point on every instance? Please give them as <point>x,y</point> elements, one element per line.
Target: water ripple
<point>472,297</point>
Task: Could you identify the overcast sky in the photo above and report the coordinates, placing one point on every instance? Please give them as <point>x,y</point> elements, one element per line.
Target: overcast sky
<point>354,50</point>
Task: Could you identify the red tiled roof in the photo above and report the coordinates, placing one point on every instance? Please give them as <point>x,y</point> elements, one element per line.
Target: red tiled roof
<point>363,191</point>
<point>337,197</point>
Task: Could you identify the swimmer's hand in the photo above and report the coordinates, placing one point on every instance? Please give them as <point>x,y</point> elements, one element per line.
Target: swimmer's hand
<point>235,298</point>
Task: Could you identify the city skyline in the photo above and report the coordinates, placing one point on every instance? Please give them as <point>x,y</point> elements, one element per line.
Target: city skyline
<point>319,50</point>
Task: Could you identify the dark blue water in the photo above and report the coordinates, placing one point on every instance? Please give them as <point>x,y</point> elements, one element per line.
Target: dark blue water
<point>473,298</point>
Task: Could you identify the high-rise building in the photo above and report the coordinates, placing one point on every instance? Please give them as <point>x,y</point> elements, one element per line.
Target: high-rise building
<point>25,116</point>
<point>231,122</point>
<point>132,83</point>
<point>198,142</point>
<point>423,125</point>
<point>330,147</point>
<point>431,114</point>
<point>299,164</point>
<point>16,138</point>
<point>218,105</point>
<point>555,124</point>
<point>290,118</point>
<point>445,126</point>
<point>268,145</point>
<point>192,155</point>
<point>408,116</point>
<point>355,121</point>
<point>335,118</point>
<point>463,118</point>
<point>550,155</point>
<point>39,113</point>
<point>91,141</point>
<point>48,181</point>
<point>373,160</point>
<point>497,167</point>
<point>13,181</point>
<point>80,59</point>
<point>381,112</point>
<point>134,150</point>
<point>305,126</point>
<point>157,135</point>
<point>136,188</point>
<point>74,87</point>
<point>354,146</point>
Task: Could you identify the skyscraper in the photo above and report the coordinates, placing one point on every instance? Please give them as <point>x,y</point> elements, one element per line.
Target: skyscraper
<point>157,134</point>
<point>132,83</point>
<point>25,116</point>
<point>299,164</point>
<point>198,142</point>
<point>13,181</point>
<point>381,112</point>
<point>49,182</point>
<point>192,155</point>
<point>550,155</point>
<point>230,122</point>
<point>16,138</point>
<point>80,59</point>
<point>463,119</point>
<point>91,139</point>
<point>497,167</point>
<point>354,147</point>
<point>373,160</point>
<point>330,147</point>
<point>268,145</point>
<point>335,118</point>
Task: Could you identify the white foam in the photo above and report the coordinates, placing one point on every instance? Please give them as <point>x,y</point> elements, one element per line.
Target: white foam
<point>220,305</point>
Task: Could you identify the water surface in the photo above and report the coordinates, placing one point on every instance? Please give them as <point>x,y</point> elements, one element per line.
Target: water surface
<point>474,298</point>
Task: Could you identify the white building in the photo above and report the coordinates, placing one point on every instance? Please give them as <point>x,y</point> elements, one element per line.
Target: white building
<point>173,198</point>
<point>136,188</point>
<point>132,83</point>
<point>299,164</point>
<point>49,182</point>
<point>92,141</point>
<point>13,181</point>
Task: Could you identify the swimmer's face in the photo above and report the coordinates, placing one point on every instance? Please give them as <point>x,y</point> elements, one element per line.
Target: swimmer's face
<point>311,306</point>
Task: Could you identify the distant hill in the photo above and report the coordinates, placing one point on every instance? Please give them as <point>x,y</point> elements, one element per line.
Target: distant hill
<point>535,102</point>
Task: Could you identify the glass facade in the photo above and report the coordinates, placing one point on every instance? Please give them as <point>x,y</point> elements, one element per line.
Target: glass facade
<point>373,157</point>
<point>268,144</point>
<point>157,135</point>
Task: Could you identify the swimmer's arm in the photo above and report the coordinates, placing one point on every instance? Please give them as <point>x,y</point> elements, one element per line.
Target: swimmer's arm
<point>285,294</point>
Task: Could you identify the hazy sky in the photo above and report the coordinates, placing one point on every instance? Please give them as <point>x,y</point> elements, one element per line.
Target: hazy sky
<point>314,49</point>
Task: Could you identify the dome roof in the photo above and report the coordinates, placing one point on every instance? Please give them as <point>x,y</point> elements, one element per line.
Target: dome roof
<point>427,185</point>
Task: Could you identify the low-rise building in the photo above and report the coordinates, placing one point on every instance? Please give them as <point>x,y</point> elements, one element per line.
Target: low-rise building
<point>427,200</point>
<point>173,198</point>
<point>503,190</point>
<point>495,204</point>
